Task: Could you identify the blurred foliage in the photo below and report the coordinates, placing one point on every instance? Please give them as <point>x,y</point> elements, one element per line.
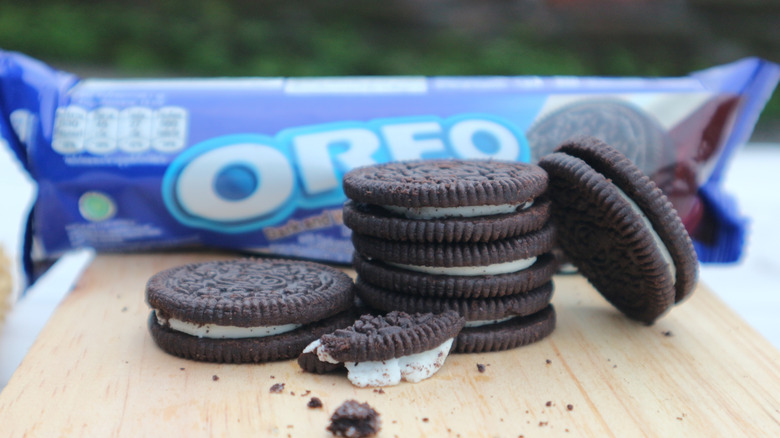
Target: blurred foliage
<point>271,38</point>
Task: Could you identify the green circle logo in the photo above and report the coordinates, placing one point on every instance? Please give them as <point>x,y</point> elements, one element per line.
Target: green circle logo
<point>96,206</point>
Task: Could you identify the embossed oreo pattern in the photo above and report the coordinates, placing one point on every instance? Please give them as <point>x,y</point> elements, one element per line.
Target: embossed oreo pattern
<point>396,334</point>
<point>250,292</point>
<point>445,183</point>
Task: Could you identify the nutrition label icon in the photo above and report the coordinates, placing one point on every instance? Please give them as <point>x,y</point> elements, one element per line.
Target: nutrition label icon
<point>107,130</point>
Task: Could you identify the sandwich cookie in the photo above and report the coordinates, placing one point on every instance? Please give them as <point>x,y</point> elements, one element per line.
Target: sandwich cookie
<point>434,189</point>
<point>383,350</point>
<point>619,229</point>
<point>246,310</point>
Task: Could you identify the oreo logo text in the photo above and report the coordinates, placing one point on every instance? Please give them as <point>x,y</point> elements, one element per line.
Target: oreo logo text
<point>240,183</point>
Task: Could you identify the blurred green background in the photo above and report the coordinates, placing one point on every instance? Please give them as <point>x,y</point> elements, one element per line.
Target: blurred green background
<point>423,37</point>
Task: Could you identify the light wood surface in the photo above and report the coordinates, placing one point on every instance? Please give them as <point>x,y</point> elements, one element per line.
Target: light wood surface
<point>700,371</point>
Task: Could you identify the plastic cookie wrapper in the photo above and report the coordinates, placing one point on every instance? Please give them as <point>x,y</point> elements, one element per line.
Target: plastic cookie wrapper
<point>255,164</point>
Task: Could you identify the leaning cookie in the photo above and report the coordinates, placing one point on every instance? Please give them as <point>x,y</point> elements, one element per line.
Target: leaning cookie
<point>246,310</point>
<point>619,229</point>
<point>383,350</point>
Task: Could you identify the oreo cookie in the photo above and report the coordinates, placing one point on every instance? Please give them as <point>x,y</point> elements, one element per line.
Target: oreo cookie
<point>446,188</point>
<point>472,236</point>
<point>246,310</point>
<point>379,222</point>
<point>505,335</point>
<point>405,281</point>
<point>627,128</point>
<point>619,229</point>
<point>383,350</point>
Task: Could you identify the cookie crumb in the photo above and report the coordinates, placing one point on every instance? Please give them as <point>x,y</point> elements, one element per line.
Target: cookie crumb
<point>548,404</point>
<point>182,368</point>
<point>277,388</point>
<point>292,392</point>
<point>542,423</point>
<point>481,367</point>
<point>314,403</point>
<point>124,309</point>
<point>668,333</point>
<point>379,390</point>
<point>547,361</point>
<point>570,407</point>
<point>215,377</point>
<point>306,393</point>
<point>354,420</point>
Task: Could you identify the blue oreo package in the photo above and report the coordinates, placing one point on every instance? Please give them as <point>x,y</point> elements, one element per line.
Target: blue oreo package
<point>255,164</point>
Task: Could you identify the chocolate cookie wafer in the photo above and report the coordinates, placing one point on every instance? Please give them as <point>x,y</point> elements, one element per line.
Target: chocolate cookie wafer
<point>446,188</point>
<point>382,350</point>
<point>619,229</point>
<point>246,310</point>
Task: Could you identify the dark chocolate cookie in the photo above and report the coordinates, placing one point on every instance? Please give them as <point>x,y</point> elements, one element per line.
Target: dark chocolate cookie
<point>383,350</point>
<point>250,292</point>
<point>506,335</point>
<point>378,222</point>
<point>456,254</point>
<point>288,345</point>
<point>445,183</point>
<point>405,281</point>
<point>619,229</point>
<point>396,334</point>
<point>246,310</point>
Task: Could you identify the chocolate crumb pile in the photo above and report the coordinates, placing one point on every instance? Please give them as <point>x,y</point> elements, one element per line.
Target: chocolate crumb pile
<point>354,420</point>
<point>314,403</point>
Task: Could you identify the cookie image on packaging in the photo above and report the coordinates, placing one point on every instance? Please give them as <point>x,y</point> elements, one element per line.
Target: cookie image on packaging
<point>246,310</point>
<point>623,125</point>
<point>383,350</point>
<point>619,229</point>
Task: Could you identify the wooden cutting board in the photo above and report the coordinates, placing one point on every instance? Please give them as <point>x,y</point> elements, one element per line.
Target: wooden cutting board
<point>700,371</point>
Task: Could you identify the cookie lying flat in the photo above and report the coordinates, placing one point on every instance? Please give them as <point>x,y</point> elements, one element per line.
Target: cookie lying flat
<point>246,310</point>
<point>483,258</point>
<point>513,333</point>
<point>446,188</point>
<point>371,220</point>
<point>405,281</point>
<point>619,229</point>
<point>383,350</point>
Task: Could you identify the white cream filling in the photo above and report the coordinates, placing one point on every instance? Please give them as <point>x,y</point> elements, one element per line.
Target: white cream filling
<point>481,322</point>
<point>224,331</point>
<point>660,243</point>
<point>466,211</point>
<point>412,368</point>
<point>494,269</point>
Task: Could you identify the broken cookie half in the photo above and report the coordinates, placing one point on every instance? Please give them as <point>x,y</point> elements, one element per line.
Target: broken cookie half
<point>383,350</point>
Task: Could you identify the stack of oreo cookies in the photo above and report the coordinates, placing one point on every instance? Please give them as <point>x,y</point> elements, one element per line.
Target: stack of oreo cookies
<point>472,236</point>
